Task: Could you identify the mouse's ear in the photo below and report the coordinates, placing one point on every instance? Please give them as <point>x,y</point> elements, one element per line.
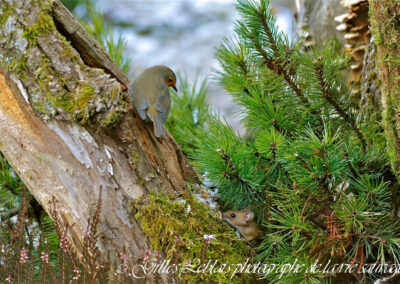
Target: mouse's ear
<point>248,207</point>
<point>249,216</point>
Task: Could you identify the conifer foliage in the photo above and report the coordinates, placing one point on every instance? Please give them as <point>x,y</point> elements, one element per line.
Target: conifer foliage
<point>314,171</point>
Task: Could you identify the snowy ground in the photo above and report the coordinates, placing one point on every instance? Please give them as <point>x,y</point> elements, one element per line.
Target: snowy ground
<point>183,35</point>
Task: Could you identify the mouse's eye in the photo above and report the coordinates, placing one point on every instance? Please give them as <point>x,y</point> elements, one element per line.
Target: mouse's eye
<point>233,215</point>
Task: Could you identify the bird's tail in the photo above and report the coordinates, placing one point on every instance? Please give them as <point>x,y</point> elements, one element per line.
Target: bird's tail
<point>159,129</point>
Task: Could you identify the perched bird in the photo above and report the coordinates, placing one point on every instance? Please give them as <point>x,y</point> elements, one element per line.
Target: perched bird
<point>149,94</point>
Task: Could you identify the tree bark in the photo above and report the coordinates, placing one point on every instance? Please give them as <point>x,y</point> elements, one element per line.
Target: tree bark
<point>385,26</point>
<point>68,130</point>
<point>317,19</point>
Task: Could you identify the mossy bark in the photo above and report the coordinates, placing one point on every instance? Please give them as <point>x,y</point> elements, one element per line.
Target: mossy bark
<point>385,24</point>
<point>68,129</point>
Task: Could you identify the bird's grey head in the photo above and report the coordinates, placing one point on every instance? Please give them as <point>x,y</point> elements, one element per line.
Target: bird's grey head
<point>169,76</point>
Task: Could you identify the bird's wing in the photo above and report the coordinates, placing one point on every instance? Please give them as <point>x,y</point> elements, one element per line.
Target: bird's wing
<point>163,104</point>
<point>139,101</point>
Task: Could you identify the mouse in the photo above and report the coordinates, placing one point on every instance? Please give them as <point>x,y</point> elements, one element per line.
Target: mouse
<point>244,223</point>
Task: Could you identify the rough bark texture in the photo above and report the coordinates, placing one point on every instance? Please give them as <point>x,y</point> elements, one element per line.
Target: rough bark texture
<point>371,94</point>
<point>317,18</point>
<point>67,128</point>
<point>385,24</point>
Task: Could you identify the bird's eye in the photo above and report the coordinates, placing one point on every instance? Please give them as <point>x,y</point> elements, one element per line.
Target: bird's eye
<point>233,215</point>
<point>170,80</point>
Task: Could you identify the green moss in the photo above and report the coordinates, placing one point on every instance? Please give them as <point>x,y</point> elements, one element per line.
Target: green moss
<point>140,181</point>
<point>85,95</point>
<point>43,25</point>
<point>114,93</point>
<point>111,119</point>
<point>135,158</point>
<point>378,40</point>
<point>68,51</point>
<point>80,105</point>
<point>372,76</point>
<point>165,220</point>
<point>385,27</point>
<point>18,66</point>
<point>6,12</point>
<point>62,101</point>
<point>39,107</point>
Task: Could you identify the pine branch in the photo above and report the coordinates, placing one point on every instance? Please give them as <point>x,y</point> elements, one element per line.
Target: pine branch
<point>233,175</point>
<point>276,126</point>
<point>268,32</point>
<point>243,67</point>
<point>276,66</point>
<point>5,185</point>
<point>258,155</point>
<point>326,93</point>
<point>278,69</point>
<point>322,181</point>
<point>351,167</point>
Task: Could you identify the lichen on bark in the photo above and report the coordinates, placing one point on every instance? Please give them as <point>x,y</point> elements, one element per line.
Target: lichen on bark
<point>60,83</point>
<point>385,24</point>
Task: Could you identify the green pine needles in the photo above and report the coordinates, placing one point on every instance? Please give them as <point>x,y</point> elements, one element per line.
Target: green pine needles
<point>103,32</point>
<point>314,171</point>
<point>189,114</point>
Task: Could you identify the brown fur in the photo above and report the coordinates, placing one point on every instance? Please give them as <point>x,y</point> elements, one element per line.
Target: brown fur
<point>243,222</point>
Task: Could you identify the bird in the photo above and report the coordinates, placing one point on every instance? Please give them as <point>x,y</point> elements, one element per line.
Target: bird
<point>149,94</point>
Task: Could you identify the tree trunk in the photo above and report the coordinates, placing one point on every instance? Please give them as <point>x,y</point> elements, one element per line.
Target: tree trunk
<point>68,130</point>
<point>316,19</point>
<point>385,26</point>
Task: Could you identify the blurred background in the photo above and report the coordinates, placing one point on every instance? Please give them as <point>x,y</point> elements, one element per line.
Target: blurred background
<point>181,34</point>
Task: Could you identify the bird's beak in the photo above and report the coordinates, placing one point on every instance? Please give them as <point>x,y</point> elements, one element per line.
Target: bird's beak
<point>176,90</point>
